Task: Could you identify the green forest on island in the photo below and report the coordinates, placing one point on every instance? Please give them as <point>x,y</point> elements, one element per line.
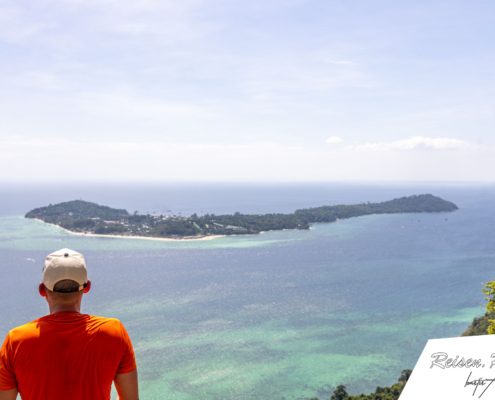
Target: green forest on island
<point>83,216</point>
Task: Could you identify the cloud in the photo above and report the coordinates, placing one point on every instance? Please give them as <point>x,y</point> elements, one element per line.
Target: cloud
<point>334,140</point>
<point>341,62</point>
<point>134,160</point>
<point>418,143</point>
<point>124,102</point>
<point>16,26</point>
<point>40,80</point>
<point>29,159</point>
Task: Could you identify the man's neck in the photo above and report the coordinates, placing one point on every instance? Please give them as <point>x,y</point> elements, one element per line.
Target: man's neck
<point>55,308</point>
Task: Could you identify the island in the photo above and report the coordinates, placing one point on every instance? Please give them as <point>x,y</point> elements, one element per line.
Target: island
<point>84,217</point>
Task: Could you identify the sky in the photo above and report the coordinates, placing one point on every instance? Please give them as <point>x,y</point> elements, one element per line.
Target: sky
<point>217,90</point>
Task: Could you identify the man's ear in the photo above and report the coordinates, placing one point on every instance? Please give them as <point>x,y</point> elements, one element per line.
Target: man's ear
<point>88,286</point>
<point>42,289</point>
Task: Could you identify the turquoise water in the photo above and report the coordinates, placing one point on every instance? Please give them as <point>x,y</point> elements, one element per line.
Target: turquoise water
<point>279,315</point>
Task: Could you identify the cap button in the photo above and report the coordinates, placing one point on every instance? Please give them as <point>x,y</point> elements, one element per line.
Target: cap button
<point>66,255</point>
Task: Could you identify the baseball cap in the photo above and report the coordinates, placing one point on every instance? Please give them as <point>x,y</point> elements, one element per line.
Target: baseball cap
<point>64,264</point>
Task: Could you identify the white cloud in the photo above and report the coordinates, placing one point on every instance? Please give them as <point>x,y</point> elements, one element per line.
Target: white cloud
<point>123,102</point>
<point>341,62</point>
<point>29,159</point>
<point>40,80</point>
<point>16,26</point>
<point>334,140</point>
<point>418,143</point>
<point>126,160</point>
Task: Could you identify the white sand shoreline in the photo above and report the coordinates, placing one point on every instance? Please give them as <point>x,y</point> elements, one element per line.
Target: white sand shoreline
<point>187,238</point>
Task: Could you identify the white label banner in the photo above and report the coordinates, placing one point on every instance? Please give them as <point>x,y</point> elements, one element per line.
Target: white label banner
<point>455,369</point>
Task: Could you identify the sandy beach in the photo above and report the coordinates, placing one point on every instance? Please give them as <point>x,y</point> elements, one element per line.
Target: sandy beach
<point>187,238</point>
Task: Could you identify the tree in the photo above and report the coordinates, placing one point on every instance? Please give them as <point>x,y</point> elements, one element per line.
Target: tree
<point>405,375</point>
<point>489,292</point>
<point>340,393</point>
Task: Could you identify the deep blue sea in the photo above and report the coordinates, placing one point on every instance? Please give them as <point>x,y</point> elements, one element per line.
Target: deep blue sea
<point>281,315</point>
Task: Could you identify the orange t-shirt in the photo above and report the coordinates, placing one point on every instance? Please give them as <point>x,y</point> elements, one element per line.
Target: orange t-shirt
<point>66,355</point>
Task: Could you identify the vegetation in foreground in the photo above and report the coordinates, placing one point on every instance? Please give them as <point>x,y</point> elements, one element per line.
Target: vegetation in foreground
<point>86,217</point>
<point>480,326</point>
<point>381,393</point>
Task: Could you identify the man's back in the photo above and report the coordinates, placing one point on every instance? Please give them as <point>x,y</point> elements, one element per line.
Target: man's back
<point>65,355</point>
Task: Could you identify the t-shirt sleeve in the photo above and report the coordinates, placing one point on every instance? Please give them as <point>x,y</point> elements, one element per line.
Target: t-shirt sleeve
<point>128,361</point>
<point>8,380</point>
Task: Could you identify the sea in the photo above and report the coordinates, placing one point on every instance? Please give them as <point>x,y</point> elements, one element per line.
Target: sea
<point>280,315</point>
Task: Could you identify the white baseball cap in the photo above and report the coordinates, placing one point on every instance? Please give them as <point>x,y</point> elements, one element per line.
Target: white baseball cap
<point>65,264</point>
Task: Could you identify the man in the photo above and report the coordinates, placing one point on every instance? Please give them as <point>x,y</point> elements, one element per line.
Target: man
<point>67,355</point>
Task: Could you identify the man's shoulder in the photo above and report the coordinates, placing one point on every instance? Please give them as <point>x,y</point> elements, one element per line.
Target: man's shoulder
<point>28,329</point>
<point>110,328</point>
<point>92,322</point>
<point>104,322</point>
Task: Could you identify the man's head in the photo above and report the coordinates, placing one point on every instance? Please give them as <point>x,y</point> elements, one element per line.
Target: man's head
<point>65,279</point>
